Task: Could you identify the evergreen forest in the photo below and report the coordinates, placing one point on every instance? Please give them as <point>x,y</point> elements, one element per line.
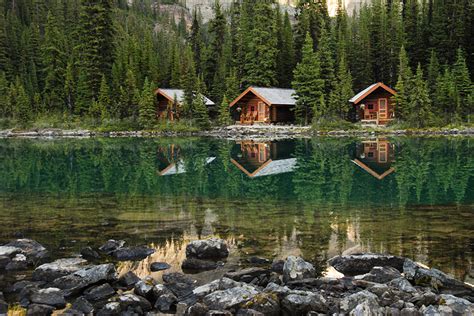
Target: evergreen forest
<point>98,62</point>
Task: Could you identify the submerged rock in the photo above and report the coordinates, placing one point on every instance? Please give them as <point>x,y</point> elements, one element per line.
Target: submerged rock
<point>89,254</point>
<point>296,268</point>
<point>159,266</point>
<point>132,253</point>
<point>207,249</point>
<point>199,264</point>
<point>111,246</point>
<point>56,269</point>
<point>362,263</point>
<point>32,249</point>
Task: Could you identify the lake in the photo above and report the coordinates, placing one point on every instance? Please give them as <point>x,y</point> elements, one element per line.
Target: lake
<point>315,198</point>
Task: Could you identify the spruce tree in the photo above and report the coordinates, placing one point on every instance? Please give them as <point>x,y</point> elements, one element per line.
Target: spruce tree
<point>286,51</point>
<point>433,73</point>
<point>232,85</point>
<point>403,86</point>
<point>325,56</point>
<point>445,96</point>
<point>419,101</point>
<point>339,102</point>
<point>147,110</point>
<point>224,112</point>
<point>4,91</point>
<point>200,113</point>
<point>462,84</point>
<point>308,85</point>
<point>104,99</point>
<point>22,105</point>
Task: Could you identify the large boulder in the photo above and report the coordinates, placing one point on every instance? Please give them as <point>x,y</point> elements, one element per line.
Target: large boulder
<point>403,285</point>
<point>81,279</point>
<point>128,280</point>
<point>220,284</point>
<point>56,269</point>
<point>213,248</point>
<point>226,299</point>
<point>83,305</point>
<point>50,296</point>
<point>99,292</point>
<point>435,279</point>
<point>134,301</point>
<point>264,303</point>
<point>362,263</point>
<point>32,249</point>
<point>458,305</point>
<point>296,268</point>
<point>132,253</point>
<point>301,303</point>
<point>181,285</point>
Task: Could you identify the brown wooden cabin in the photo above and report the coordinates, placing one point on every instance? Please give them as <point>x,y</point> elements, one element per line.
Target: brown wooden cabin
<point>169,103</point>
<point>264,158</point>
<point>375,104</point>
<point>376,157</point>
<point>264,105</point>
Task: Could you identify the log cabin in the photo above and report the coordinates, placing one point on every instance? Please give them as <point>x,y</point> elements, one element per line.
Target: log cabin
<point>376,157</point>
<point>264,158</point>
<point>375,104</point>
<point>170,101</point>
<point>264,105</point>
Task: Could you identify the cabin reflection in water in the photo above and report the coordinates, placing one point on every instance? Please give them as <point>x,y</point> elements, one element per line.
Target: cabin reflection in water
<point>376,157</point>
<point>264,158</point>
<point>170,161</point>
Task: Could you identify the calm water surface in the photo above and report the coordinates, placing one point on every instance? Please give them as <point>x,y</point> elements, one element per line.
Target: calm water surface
<point>315,198</point>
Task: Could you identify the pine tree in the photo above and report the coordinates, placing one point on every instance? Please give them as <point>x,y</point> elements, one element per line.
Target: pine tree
<point>325,56</point>
<point>286,51</point>
<point>445,96</point>
<point>22,105</point>
<point>224,112</point>
<point>232,85</point>
<point>69,87</point>
<point>4,60</point>
<point>403,86</point>
<point>419,101</point>
<point>307,85</point>
<point>104,100</point>
<point>200,113</point>
<point>433,73</point>
<point>147,111</point>
<point>217,31</point>
<point>196,40</point>
<point>462,84</point>
<point>260,59</point>
<point>339,103</point>
<point>4,91</point>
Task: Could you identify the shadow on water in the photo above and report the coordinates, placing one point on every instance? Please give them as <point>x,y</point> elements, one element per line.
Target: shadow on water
<point>315,198</point>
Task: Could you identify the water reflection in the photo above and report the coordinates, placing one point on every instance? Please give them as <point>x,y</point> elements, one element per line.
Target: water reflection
<point>258,159</point>
<point>321,197</point>
<point>375,157</point>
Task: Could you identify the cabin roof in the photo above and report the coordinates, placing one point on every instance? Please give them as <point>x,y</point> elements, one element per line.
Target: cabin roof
<point>270,95</point>
<point>371,171</point>
<point>364,93</point>
<point>171,94</point>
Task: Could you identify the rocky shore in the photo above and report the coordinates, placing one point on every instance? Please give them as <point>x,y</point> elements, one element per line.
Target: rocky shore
<point>372,284</point>
<point>238,132</point>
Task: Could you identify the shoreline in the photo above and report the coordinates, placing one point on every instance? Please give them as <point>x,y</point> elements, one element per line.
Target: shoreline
<point>237,132</point>
<point>357,284</point>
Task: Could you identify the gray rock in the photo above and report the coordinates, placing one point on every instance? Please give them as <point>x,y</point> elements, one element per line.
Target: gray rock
<point>9,251</point>
<point>265,304</point>
<point>424,299</point>
<point>112,308</point>
<point>409,311</point>
<point>71,312</point>
<point>89,254</point>
<point>159,290</point>
<point>128,280</point>
<point>111,246</point>
<point>18,262</point>
<point>166,302</point>
<point>380,275</point>
<point>50,271</point>
<point>403,285</point>
<point>50,296</point>
<point>225,299</point>
<point>277,266</point>
<point>33,250</point>
<point>145,287</point>
<point>362,263</point>
<point>100,292</point>
<point>81,279</point>
<point>159,266</point>
<point>132,253</point>
<point>207,249</point>
<point>39,310</point>
<point>83,305</point>
<point>303,302</point>
<point>281,291</point>
<point>379,289</point>
<point>198,309</point>
<point>365,309</point>
<point>296,268</point>
<point>258,260</point>
<point>4,261</point>
<point>436,279</point>
<point>133,300</point>
<point>175,277</point>
<point>249,273</point>
<point>249,312</point>
<point>350,302</point>
<point>199,264</point>
<point>218,313</point>
<point>458,305</point>
<point>180,284</point>
<point>429,311</point>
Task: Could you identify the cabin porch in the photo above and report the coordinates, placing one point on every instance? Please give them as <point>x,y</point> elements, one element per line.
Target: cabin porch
<point>377,111</point>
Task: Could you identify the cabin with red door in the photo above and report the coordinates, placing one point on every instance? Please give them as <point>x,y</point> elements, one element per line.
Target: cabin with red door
<point>376,157</point>
<point>264,105</point>
<point>375,104</point>
<point>170,102</point>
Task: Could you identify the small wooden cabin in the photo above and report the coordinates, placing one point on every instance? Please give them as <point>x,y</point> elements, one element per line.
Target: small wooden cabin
<point>376,157</point>
<point>264,105</point>
<point>264,159</point>
<point>169,103</point>
<point>375,104</point>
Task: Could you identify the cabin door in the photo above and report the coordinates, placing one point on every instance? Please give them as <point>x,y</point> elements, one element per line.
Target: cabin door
<point>261,111</point>
<point>383,108</point>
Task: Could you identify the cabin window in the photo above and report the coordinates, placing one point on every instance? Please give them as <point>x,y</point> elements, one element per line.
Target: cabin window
<point>252,108</point>
<point>370,106</point>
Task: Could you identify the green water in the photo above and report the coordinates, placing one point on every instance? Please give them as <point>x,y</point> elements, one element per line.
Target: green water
<point>315,198</point>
